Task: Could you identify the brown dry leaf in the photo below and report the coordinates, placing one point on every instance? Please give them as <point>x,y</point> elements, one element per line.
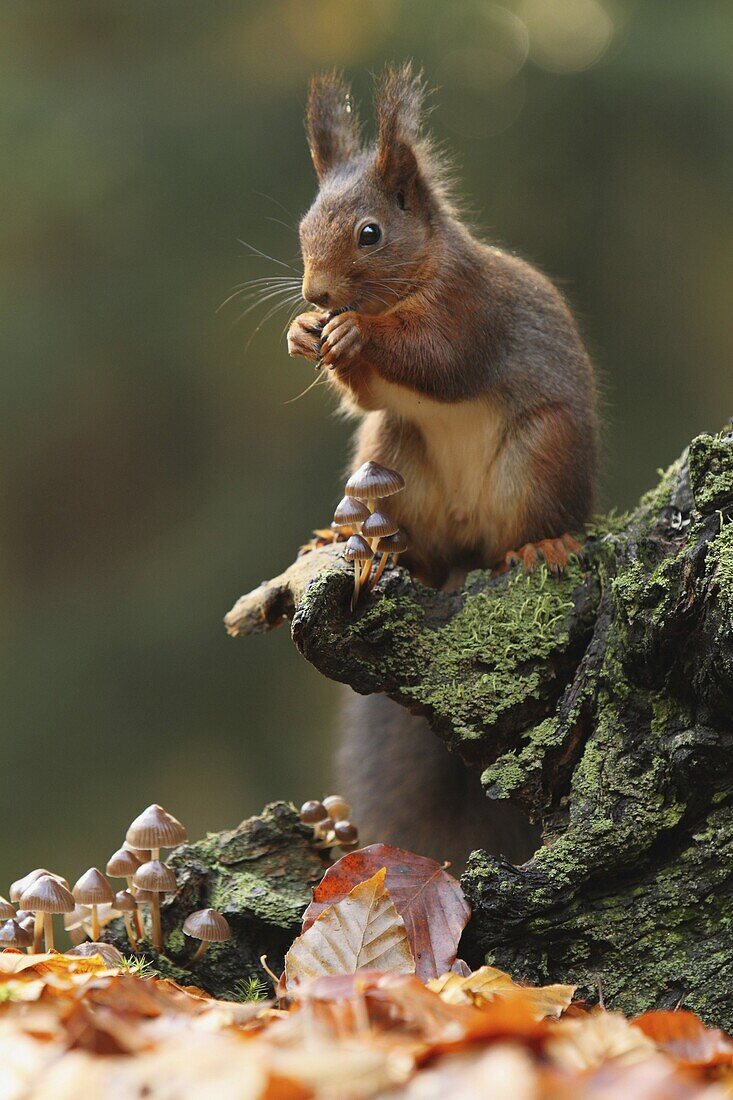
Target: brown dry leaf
<point>685,1037</point>
<point>363,931</point>
<point>487,983</point>
<point>503,1071</point>
<point>429,900</point>
<point>584,1044</point>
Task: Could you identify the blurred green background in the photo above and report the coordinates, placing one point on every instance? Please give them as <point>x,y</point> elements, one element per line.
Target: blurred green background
<point>151,468</point>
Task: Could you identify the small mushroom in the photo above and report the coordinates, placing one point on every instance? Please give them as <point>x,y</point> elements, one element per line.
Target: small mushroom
<point>337,807</point>
<point>155,877</point>
<point>350,512</point>
<point>111,956</point>
<point>379,525</point>
<point>92,889</point>
<point>372,482</point>
<point>45,897</point>
<point>13,935</point>
<point>123,864</point>
<point>206,925</point>
<point>126,904</point>
<point>346,833</point>
<point>358,550</point>
<point>393,545</point>
<point>312,812</point>
<point>7,910</point>
<point>155,828</point>
<point>19,887</point>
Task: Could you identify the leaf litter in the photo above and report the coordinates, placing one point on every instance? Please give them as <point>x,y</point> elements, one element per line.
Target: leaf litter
<point>356,1018</point>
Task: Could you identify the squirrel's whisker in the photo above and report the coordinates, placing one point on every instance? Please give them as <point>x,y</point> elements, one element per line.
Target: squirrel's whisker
<point>264,256</point>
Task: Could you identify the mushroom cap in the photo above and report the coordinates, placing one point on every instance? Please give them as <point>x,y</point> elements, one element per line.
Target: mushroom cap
<point>48,895</point>
<point>123,863</point>
<point>124,902</point>
<point>372,480</point>
<point>358,549</point>
<point>110,955</point>
<point>143,854</point>
<point>207,925</point>
<point>156,828</point>
<point>312,811</point>
<point>21,885</point>
<point>145,897</point>
<point>346,832</point>
<point>393,544</point>
<point>13,935</point>
<point>350,511</point>
<point>156,877</point>
<point>7,910</point>
<point>337,807</point>
<point>379,525</point>
<point>92,888</point>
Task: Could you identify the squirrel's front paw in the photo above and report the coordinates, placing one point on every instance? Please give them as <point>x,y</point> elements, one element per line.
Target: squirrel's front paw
<point>304,335</point>
<point>342,339</point>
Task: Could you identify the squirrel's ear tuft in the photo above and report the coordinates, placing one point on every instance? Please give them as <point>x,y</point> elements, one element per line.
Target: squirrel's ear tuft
<point>399,102</point>
<point>331,122</point>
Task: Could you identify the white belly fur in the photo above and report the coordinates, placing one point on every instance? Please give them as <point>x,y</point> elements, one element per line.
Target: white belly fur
<point>463,497</point>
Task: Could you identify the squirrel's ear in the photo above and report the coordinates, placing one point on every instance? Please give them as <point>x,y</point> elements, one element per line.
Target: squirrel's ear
<point>399,99</point>
<point>331,122</point>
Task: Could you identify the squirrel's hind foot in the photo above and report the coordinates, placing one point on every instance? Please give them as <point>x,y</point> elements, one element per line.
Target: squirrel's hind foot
<point>556,554</point>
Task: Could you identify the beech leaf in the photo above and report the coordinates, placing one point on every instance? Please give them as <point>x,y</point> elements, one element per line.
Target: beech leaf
<point>429,900</point>
<point>361,931</point>
<point>487,983</point>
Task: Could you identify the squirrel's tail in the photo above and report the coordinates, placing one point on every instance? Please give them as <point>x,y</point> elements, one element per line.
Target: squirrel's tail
<point>406,789</point>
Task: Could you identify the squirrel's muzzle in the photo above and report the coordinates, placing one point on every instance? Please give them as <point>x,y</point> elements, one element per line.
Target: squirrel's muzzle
<point>315,290</point>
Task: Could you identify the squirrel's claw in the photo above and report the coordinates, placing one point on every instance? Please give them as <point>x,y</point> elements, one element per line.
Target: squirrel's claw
<point>342,339</point>
<point>556,554</point>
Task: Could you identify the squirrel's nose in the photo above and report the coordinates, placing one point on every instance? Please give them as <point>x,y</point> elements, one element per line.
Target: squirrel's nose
<point>315,291</point>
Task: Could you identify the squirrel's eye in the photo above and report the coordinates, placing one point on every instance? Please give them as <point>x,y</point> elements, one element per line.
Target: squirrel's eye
<point>369,234</point>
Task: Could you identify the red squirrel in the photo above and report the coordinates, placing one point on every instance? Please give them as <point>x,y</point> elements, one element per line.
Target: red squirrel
<point>466,370</point>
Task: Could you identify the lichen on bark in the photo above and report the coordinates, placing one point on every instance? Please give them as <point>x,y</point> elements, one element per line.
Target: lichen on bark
<point>602,704</point>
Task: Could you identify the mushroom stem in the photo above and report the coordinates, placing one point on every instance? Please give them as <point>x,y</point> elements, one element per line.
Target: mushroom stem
<point>383,558</point>
<point>364,572</point>
<point>157,927</point>
<point>136,917</point>
<point>37,932</point>
<point>48,931</point>
<point>130,931</point>
<point>155,853</point>
<point>95,923</point>
<point>357,584</point>
<point>198,953</point>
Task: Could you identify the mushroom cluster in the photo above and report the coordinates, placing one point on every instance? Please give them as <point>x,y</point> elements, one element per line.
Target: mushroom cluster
<point>330,822</point>
<point>92,903</point>
<point>373,532</point>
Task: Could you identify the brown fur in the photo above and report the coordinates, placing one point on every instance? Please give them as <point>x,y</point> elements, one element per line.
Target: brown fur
<point>463,361</point>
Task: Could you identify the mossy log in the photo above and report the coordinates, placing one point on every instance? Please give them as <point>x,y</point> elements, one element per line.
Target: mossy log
<point>601,702</point>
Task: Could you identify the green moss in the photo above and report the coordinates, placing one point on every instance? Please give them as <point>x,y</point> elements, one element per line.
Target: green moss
<point>720,566</point>
<point>516,769</point>
<point>711,471</point>
<point>485,660</point>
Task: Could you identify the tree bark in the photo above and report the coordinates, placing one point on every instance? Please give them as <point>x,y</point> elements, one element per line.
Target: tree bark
<point>601,703</point>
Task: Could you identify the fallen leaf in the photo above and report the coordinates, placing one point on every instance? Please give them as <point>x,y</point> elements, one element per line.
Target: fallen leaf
<point>429,900</point>
<point>684,1036</point>
<point>488,983</point>
<point>581,1044</point>
<point>362,931</point>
